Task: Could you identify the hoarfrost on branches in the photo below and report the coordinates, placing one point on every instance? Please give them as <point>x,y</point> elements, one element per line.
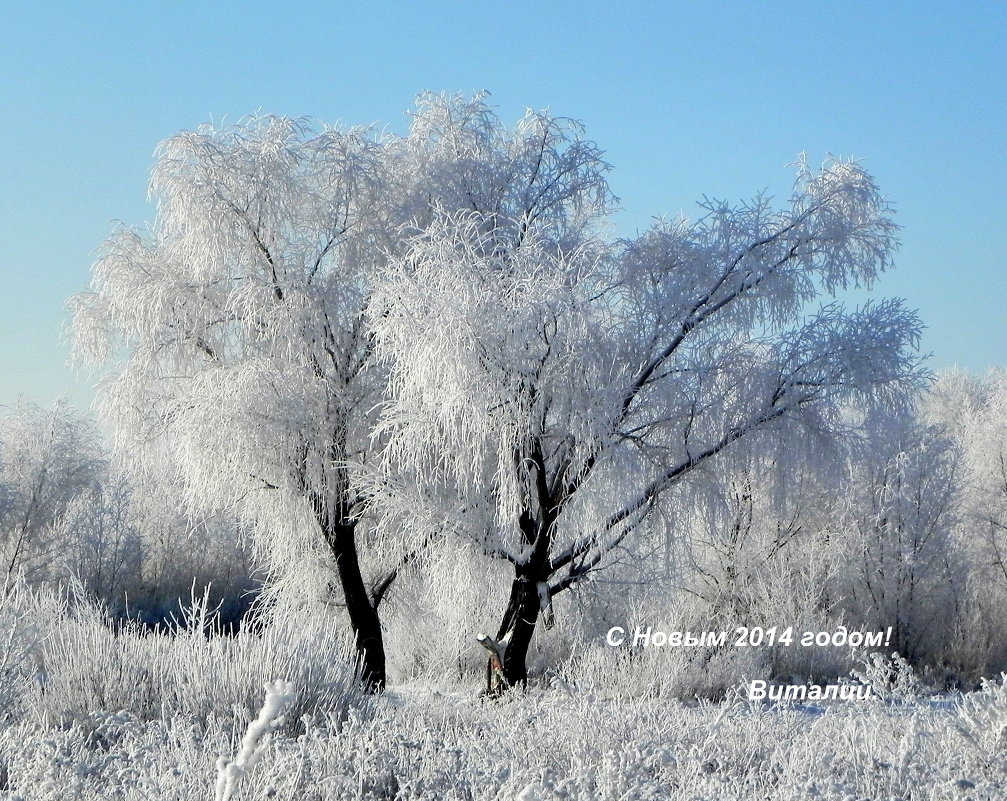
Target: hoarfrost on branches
<point>239,322</point>
<point>392,340</point>
<point>555,386</point>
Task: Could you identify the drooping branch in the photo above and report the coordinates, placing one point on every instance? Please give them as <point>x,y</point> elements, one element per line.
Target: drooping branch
<point>582,549</point>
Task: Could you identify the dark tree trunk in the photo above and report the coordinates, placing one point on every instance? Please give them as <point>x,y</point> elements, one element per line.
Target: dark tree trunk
<point>531,595</point>
<point>518,626</point>
<point>525,603</point>
<point>363,615</point>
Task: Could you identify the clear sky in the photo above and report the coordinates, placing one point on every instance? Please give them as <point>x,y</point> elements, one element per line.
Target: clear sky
<point>687,99</point>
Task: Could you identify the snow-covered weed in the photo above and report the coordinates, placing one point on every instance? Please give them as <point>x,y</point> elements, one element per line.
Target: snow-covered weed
<point>540,744</point>
<point>133,715</point>
<point>184,671</point>
<point>24,612</point>
<point>982,721</point>
<point>708,673</point>
<point>230,772</point>
<point>891,678</point>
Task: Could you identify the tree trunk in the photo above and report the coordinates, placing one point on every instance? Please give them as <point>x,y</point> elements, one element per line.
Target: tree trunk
<point>525,603</point>
<point>518,626</point>
<point>363,615</point>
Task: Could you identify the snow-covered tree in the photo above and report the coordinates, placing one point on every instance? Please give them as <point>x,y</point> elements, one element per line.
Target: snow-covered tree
<point>239,326</point>
<point>979,425</point>
<point>550,386</point>
<point>972,412</point>
<point>133,548</point>
<point>237,323</point>
<point>897,522</point>
<point>744,528</point>
<point>48,458</point>
<point>101,542</point>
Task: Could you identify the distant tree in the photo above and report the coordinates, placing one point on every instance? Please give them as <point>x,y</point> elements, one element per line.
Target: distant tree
<point>48,458</point>
<point>132,547</point>
<point>972,413</point>
<point>101,543</point>
<point>900,510</point>
<point>978,422</point>
<point>550,386</point>
<point>738,526</point>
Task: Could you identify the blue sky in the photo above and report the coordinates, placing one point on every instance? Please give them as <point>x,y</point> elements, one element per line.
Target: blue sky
<point>687,99</point>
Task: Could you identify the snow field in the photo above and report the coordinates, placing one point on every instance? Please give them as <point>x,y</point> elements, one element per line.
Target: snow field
<point>162,716</point>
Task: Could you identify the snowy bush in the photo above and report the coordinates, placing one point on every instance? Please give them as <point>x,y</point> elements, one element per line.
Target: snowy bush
<point>186,671</point>
<point>891,678</point>
<point>25,615</point>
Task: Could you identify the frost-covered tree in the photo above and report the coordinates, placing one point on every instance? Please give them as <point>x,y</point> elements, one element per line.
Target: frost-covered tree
<point>972,411</point>
<point>101,542</point>
<point>48,458</point>
<point>975,412</point>
<point>898,517</point>
<point>239,325</point>
<point>744,527</point>
<point>551,386</point>
<point>131,547</point>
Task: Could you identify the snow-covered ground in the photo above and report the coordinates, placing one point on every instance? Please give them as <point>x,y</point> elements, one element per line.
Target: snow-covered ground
<point>547,743</point>
<point>90,713</point>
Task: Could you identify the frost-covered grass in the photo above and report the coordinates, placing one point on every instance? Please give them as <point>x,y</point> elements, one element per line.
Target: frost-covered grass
<point>188,672</point>
<point>91,714</point>
<point>546,744</point>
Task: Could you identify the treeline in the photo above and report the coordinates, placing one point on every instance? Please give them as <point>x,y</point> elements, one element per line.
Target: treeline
<point>70,517</point>
<point>905,528</point>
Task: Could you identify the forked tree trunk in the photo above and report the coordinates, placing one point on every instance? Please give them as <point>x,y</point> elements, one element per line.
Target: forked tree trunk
<point>363,615</point>
<point>525,603</point>
<point>518,626</point>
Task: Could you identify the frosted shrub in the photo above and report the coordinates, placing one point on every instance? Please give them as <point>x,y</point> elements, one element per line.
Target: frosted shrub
<point>890,678</point>
<point>983,720</point>
<point>24,614</point>
<point>183,671</point>
<point>665,672</point>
